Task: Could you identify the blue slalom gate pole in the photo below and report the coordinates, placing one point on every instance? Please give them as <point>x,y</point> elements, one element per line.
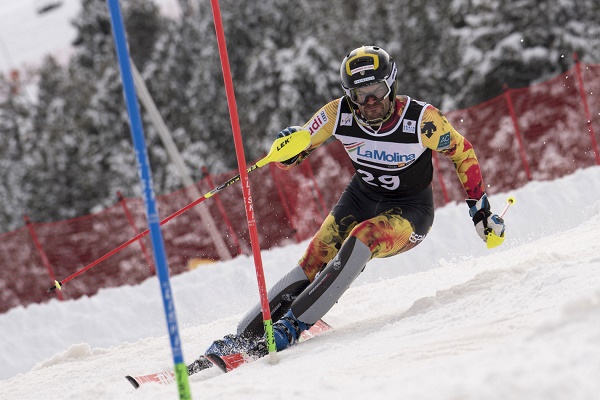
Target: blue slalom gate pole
<point>160,258</point>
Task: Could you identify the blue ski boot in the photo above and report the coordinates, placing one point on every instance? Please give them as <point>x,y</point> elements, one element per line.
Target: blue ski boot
<point>287,330</point>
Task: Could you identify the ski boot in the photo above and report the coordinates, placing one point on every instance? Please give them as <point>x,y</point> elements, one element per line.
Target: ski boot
<point>287,330</point>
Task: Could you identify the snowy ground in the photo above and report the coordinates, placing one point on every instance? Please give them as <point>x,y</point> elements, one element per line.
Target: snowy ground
<point>447,320</point>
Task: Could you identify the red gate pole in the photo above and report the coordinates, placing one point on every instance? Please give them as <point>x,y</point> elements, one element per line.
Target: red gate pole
<point>135,230</point>
<point>586,108</point>
<point>40,250</point>
<point>241,158</point>
<point>223,213</point>
<point>513,116</point>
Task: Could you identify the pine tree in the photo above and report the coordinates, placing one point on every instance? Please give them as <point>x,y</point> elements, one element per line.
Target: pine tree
<point>283,71</point>
<point>518,43</point>
<point>83,153</point>
<point>14,151</point>
<point>185,80</point>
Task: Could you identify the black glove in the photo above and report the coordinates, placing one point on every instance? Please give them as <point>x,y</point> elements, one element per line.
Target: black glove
<point>287,132</point>
<point>485,222</point>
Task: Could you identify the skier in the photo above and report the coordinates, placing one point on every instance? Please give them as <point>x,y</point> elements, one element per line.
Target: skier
<point>386,208</point>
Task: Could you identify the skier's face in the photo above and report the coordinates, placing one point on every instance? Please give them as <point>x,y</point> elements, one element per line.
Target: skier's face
<point>375,109</point>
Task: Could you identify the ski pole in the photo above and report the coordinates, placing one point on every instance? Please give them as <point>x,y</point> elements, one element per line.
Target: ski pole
<point>509,202</point>
<point>282,149</point>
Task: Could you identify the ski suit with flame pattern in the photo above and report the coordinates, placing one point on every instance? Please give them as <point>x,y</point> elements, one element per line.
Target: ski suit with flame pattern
<point>386,209</point>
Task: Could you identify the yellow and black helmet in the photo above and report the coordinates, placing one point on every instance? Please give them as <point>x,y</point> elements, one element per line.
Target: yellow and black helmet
<point>365,66</point>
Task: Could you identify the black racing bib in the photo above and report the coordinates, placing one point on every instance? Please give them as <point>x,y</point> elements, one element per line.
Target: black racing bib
<point>390,163</point>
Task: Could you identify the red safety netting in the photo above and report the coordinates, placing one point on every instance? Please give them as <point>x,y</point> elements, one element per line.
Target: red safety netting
<point>537,133</point>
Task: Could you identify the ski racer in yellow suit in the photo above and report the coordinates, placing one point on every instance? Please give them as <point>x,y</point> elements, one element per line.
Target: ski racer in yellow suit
<point>386,209</point>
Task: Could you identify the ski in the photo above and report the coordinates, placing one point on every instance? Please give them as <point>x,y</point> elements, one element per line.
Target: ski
<point>164,378</point>
<point>231,362</point>
<point>168,377</point>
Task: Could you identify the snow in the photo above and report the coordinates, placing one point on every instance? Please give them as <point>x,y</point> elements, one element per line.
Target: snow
<point>447,320</point>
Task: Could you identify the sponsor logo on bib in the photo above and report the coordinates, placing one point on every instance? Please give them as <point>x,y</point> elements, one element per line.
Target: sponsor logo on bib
<point>409,126</point>
<point>346,119</point>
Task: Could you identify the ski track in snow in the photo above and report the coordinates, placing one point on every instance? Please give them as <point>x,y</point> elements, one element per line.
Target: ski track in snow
<point>518,322</point>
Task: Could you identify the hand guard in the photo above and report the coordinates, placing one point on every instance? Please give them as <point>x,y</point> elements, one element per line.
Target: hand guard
<point>286,132</point>
<point>485,222</point>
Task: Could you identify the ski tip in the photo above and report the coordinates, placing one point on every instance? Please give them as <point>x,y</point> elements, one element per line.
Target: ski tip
<point>133,382</point>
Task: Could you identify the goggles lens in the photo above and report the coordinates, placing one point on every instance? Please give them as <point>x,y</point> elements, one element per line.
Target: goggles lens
<point>380,90</point>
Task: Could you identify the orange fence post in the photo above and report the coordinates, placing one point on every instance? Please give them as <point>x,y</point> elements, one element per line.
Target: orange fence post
<point>513,116</point>
<point>284,203</point>
<point>135,230</point>
<point>223,213</point>
<point>586,108</point>
<point>308,168</point>
<point>43,255</point>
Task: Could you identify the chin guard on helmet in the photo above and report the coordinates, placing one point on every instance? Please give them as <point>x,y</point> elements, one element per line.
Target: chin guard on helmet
<point>368,71</point>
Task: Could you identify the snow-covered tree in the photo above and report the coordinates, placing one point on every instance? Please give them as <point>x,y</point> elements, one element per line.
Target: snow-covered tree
<point>185,80</point>
<point>15,147</point>
<point>517,44</point>
<point>82,153</point>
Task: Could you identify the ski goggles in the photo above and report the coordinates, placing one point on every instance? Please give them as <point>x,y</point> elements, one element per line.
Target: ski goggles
<point>379,90</point>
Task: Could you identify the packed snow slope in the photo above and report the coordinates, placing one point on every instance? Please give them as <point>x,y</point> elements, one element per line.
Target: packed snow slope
<point>447,320</point>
